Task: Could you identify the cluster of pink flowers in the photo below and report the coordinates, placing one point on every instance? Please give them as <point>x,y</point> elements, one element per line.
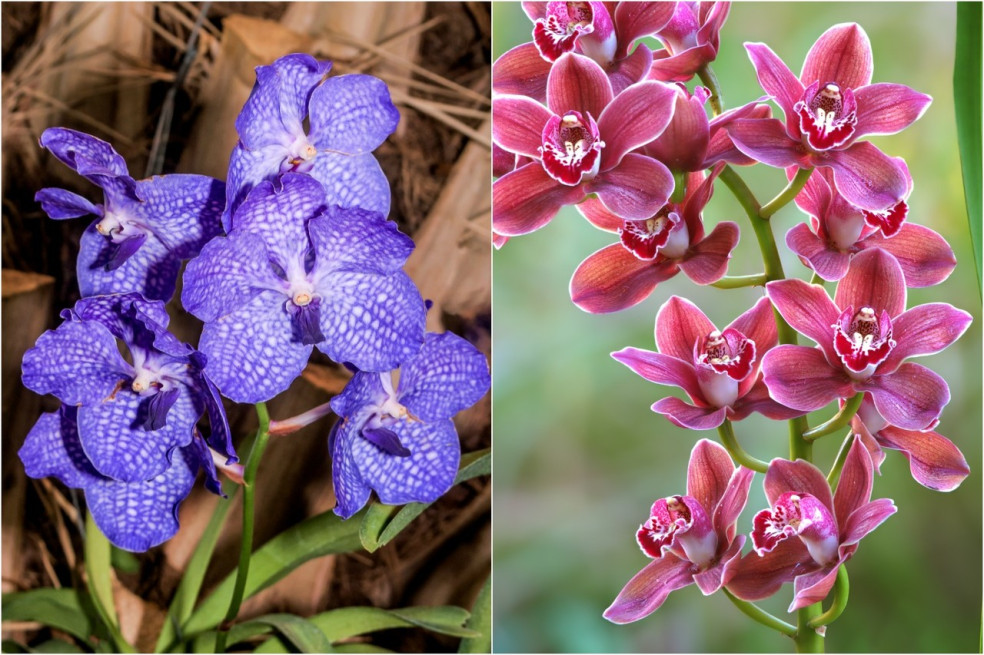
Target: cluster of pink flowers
<point>586,115</point>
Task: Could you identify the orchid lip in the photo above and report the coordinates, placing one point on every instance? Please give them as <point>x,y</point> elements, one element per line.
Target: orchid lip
<point>664,234</point>
<point>862,341</point>
<point>571,150</point>
<point>827,116</point>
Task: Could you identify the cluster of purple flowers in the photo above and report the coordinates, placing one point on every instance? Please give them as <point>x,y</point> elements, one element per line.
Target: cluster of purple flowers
<point>293,251</point>
<point>586,116</point>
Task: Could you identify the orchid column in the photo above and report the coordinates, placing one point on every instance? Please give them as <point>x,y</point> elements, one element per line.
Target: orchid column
<point>583,422</point>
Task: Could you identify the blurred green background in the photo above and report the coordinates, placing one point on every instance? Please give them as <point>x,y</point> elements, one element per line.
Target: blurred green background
<point>579,456</point>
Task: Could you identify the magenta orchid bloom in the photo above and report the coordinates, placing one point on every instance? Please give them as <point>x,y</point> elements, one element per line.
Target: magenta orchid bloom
<point>690,538</point>
<point>691,40</point>
<point>828,108</point>
<point>864,336</point>
<point>805,536</point>
<point>718,369</point>
<point>587,28</point>
<point>840,230</point>
<point>935,462</point>
<point>652,250</point>
<point>574,153</point>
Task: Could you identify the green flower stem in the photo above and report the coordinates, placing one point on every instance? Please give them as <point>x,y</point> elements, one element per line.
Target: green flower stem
<point>807,639</point>
<point>762,227</point>
<point>760,615</point>
<point>710,80</point>
<point>246,545</point>
<point>786,196</point>
<point>835,470</point>
<point>842,588</point>
<point>839,420</point>
<point>679,187</point>
<point>738,281</point>
<point>727,433</point>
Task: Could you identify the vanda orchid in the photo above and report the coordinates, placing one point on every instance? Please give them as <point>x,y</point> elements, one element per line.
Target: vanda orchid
<point>820,333</point>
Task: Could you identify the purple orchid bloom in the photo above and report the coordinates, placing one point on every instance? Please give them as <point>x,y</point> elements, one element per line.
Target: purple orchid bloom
<point>690,538</point>
<point>863,337</point>
<point>691,40</point>
<point>652,250</point>
<point>718,369</point>
<point>143,228</point>
<point>840,230</point>
<point>349,117</point>
<point>398,439</point>
<point>806,535</point>
<point>934,461</point>
<point>293,274</point>
<point>588,28</point>
<point>828,109</point>
<point>132,414</point>
<point>134,515</point>
<point>575,155</point>
<point>691,142</point>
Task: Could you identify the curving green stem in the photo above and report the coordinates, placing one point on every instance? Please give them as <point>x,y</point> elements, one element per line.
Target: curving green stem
<point>762,227</point>
<point>727,433</point>
<point>739,281</point>
<point>839,420</point>
<point>710,80</point>
<point>757,613</point>
<point>842,588</point>
<point>835,470</point>
<point>807,639</point>
<point>246,545</point>
<point>786,195</point>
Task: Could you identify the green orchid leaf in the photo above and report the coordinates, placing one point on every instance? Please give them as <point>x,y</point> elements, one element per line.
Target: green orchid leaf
<point>373,523</point>
<point>481,622</point>
<point>58,608</point>
<point>967,103</point>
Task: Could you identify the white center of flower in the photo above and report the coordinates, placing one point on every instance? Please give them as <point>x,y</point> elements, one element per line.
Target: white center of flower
<point>145,382</point>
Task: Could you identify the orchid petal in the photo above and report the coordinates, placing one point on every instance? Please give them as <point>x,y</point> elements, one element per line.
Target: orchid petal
<point>649,588</point>
<point>925,257</point>
<point>841,55</point>
<point>351,114</point>
<point>756,577</point>
<point>518,125</point>
<point>613,279</point>
<point>661,369</point>
<point>351,490</point>
<point>867,177</point>
<point>758,324</point>
<point>827,262</point>
<point>521,71</point>
<point>924,330</point>
<point>765,140</point>
<point>800,477</point>
<point>688,416</point>
<point>732,502</point>
<point>808,310</point>
<point>707,261</point>
<point>634,20</point>
<point>874,280</point>
<point>680,324</point>
<point>598,215</point>
<point>912,397</point>
<point>577,83</point>
<point>865,519</point>
<point>52,448</point>
<point>935,462</point>
<point>352,181</point>
<point>855,483</point>
<point>757,399</point>
<point>708,472</point>
<point>229,272</point>
<point>801,378</point>
<point>61,203</point>
<point>635,189</point>
<point>777,80</point>
<point>152,270</point>
<point>527,199</point>
<point>813,587</point>
<point>634,118</point>
<point>448,375</point>
<point>888,108</point>
<point>623,73</point>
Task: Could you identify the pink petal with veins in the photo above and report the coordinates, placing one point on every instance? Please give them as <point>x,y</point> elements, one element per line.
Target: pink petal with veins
<point>708,473</point>
<point>841,55</point>
<point>648,589</point>
<point>855,483</point>
<point>925,257</point>
<point>577,83</point>
<point>680,324</point>
<point>812,587</point>
<point>827,262</point>
<point>757,399</point>
<point>800,477</point>
<point>527,199</point>
<point>765,140</point>
<point>687,416</point>
<point>625,72</point>
<point>874,280</point>
<point>634,20</point>
<point>865,519</point>
<point>755,578</point>
<point>888,108</point>
<point>635,189</point>
<point>634,118</point>
<point>809,310</point>
<point>924,330</point>
<point>521,71</point>
<point>518,124</point>
<point>613,279</point>
<point>867,177</point>
<point>778,81</point>
<point>661,369</point>
<point>600,216</point>
<point>801,378</point>
<point>707,260</point>
<point>935,462</point>
<point>912,397</point>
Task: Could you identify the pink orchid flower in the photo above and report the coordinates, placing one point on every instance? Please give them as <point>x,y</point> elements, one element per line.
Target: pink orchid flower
<point>718,369</point>
<point>690,538</point>
<point>840,230</point>
<point>574,153</point>
<point>828,108</point>
<point>691,40</point>
<point>652,250</point>
<point>864,337</point>
<point>806,535</point>
<point>934,461</point>
<point>691,142</point>
<point>606,35</point>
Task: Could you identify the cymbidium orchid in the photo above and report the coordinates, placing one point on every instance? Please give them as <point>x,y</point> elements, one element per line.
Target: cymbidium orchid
<point>718,369</point>
<point>691,538</point>
<point>935,461</point>
<point>582,143</point>
<point>143,229</point>
<point>840,230</point>
<point>395,435</point>
<point>132,413</point>
<point>806,534</point>
<point>864,335</point>
<point>691,39</point>
<point>828,108</point>
<point>294,274</point>
<point>605,32</point>
<point>349,116</point>
<point>652,250</point>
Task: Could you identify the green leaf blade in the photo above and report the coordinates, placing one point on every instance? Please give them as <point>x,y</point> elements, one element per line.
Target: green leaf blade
<point>967,103</point>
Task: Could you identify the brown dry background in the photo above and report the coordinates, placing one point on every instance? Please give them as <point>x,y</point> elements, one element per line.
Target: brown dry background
<point>107,69</point>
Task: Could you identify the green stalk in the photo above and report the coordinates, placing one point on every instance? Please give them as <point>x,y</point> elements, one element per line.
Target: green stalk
<point>679,187</point>
<point>807,639</point>
<point>786,195</point>
<point>727,433</point>
<point>710,80</point>
<point>98,573</point>
<point>739,281</point>
<point>839,420</point>
<point>835,470</point>
<point>246,545</point>
<point>757,613</point>
<point>842,588</point>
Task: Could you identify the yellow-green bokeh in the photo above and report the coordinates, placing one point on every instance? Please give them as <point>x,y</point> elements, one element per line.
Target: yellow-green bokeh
<point>579,456</point>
